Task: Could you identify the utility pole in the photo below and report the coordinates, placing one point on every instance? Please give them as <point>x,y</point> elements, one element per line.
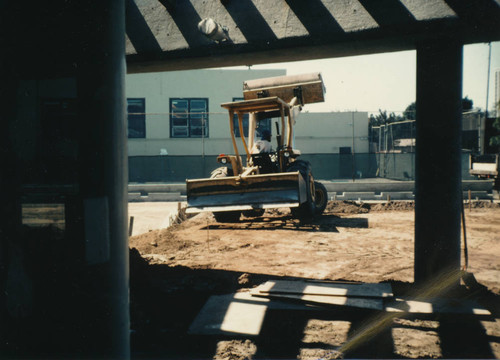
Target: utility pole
<point>482,134</point>
<point>352,152</point>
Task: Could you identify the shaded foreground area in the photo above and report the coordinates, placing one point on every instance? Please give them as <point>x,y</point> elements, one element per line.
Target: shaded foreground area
<point>176,270</point>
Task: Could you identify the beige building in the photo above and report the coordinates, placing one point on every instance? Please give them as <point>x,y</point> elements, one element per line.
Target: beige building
<point>186,118</point>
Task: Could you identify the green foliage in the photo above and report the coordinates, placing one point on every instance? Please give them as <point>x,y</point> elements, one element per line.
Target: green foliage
<point>410,111</point>
<point>383,118</point>
<point>467,104</point>
<point>495,141</point>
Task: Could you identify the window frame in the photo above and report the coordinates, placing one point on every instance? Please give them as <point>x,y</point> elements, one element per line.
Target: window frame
<point>191,118</point>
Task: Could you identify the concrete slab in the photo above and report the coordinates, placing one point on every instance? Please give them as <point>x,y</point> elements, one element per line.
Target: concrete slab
<point>152,197</point>
<point>364,195</point>
<point>478,195</point>
<point>157,187</point>
<point>135,196</point>
<point>152,215</point>
<point>360,189</point>
<point>401,195</point>
<point>164,196</point>
<point>379,185</point>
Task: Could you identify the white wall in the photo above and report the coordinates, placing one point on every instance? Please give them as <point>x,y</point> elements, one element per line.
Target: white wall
<point>325,133</point>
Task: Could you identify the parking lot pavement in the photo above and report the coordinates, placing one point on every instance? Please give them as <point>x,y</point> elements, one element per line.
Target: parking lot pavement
<point>151,215</point>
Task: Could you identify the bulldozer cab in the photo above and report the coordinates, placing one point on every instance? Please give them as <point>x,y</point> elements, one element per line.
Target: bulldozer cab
<point>279,97</point>
<point>259,109</point>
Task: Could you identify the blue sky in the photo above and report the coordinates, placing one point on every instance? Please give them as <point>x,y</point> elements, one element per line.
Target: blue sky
<point>387,81</point>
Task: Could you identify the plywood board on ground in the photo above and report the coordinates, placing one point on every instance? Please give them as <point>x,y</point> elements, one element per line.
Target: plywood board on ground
<point>237,314</point>
<point>327,289</point>
<point>327,301</point>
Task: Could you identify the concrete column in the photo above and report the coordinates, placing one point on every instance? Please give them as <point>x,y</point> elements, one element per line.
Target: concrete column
<point>9,175</point>
<point>104,176</point>
<point>15,285</point>
<point>438,175</point>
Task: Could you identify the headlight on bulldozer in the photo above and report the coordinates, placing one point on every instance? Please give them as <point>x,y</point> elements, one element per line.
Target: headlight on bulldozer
<point>222,158</point>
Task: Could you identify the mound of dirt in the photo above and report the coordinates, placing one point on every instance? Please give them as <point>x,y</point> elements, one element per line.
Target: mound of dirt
<point>162,241</point>
<point>347,207</point>
<point>393,205</point>
<point>482,204</point>
<point>235,350</point>
<point>278,212</point>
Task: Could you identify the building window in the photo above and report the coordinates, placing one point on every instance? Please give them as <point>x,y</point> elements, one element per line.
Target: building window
<point>136,117</point>
<point>262,125</point>
<point>188,118</point>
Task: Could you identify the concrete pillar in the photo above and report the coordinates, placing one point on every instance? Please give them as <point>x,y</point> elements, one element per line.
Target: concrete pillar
<point>104,176</point>
<point>15,286</point>
<point>438,178</point>
<point>10,216</point>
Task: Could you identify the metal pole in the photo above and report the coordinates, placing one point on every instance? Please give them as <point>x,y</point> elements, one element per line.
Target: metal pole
<point>411,152</point>
<point>352,152</point>
<point>203,145</point>
<point>385,137</point>
<point>379,150</point>
<point>470,200</point>
<point>438,192</point>
<point>481,124</point>
<point>379,139</point>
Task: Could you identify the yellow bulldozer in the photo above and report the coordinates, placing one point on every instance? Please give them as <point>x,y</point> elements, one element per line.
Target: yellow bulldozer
<point>265,180</point>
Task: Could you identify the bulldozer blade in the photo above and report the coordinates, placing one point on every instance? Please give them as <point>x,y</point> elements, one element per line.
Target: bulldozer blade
<point>284,87</point>
<point>245,193</point>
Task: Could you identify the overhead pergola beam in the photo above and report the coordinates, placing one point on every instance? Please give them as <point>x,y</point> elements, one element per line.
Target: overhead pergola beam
<point>163,35</point>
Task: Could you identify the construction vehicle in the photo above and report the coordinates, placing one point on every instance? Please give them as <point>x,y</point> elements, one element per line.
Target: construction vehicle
<point>486,166</point>
<point>264,180</point>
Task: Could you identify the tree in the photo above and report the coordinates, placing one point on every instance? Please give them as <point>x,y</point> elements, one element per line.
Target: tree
<point>467,104</point>
<point>382,118</point>
<point>410,111</point>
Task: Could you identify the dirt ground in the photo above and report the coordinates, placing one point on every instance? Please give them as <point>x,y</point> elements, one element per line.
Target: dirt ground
<point>175,270</point>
